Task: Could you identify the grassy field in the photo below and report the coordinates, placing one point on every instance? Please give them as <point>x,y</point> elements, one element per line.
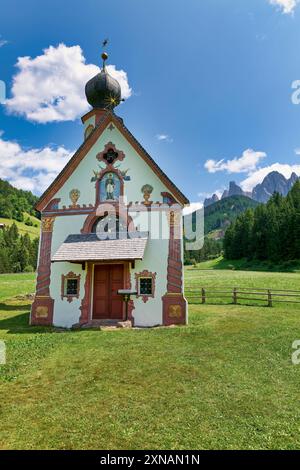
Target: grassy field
<point>249,265</point>
<point>12,285</point>
<point>207,276</point>
<point>33,232</point>
<point>225,381</point>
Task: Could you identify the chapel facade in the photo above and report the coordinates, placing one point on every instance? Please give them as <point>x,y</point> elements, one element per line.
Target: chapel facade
<point>111,221</point>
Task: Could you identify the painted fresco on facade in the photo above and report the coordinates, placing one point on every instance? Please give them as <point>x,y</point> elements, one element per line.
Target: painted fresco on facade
<point>110,187</point>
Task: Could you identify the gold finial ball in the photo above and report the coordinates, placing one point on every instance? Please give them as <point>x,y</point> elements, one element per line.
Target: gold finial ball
<point>104,56</point>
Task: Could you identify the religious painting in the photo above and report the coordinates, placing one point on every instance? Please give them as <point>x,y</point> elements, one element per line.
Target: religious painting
<point>110,187</point>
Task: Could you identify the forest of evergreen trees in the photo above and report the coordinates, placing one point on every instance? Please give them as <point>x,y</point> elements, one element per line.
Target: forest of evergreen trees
<point>269,232</point>
<point>18,253</point>
<point>211,249</point>
<point>15,202</point>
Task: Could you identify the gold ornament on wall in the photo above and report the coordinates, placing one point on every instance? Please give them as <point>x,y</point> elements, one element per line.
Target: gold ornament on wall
<point>174,217</point>
<point>41,312</point>
<point>47,224</point>
<point>147,191</point>
<point>74,195</point>
<point>175,311</point>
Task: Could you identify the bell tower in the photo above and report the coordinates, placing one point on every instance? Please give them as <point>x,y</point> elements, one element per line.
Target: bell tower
<point>103,93</point>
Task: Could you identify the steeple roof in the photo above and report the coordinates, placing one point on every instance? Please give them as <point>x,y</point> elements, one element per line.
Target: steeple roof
<point>103,91</point>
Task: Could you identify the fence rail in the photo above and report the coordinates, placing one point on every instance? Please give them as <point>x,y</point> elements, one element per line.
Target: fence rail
<point>244,293</point>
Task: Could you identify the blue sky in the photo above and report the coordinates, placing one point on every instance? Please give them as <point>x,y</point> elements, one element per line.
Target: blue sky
<point>207,80</point>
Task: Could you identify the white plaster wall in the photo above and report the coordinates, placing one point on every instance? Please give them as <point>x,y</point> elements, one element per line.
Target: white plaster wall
<point>150,313</point>
<point>155,260</point>
<point>65,313</point>
<point>63,227</point>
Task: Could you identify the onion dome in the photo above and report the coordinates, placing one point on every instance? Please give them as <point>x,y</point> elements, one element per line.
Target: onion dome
<point>103,91</point>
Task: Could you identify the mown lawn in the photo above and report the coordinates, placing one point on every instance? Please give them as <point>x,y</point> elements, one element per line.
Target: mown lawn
<point>225,381</point>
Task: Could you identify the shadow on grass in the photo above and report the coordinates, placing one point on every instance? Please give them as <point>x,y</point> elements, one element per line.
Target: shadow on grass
<point>12,308</point>
<point>253,265</point>
<point>19,323</point>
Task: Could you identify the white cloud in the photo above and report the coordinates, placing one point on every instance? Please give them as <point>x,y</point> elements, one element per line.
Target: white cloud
<point>31,169</point>
<point>287,6</point>
<point>192,207</point>
<point>164,137</point>
<point>257,176</point>
<point>3,42</point>
<point>297,151</point>
<point>50,87</point>
<point>247,162</point>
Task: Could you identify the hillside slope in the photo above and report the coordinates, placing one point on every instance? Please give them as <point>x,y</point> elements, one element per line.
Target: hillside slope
<point>220,214</point>
<point>33,230</point>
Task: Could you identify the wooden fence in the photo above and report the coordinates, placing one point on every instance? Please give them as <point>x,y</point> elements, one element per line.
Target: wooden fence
<point>235,294</point>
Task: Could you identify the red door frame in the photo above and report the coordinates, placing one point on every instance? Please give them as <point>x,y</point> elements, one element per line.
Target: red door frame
<point>88,298</point>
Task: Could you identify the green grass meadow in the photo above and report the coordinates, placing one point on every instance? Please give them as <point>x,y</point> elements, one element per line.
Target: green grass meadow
<point>225,381</point>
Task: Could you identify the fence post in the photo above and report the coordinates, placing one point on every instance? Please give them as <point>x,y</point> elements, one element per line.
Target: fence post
<point>234,295</point>
<point>203,296</point>
<point>270,303</point>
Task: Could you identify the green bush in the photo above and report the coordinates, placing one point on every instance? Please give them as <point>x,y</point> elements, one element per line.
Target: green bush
<point>28,269</point>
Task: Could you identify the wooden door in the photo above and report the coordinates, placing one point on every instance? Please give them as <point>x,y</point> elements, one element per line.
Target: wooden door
<point>108,304</point>
<point>116,283</point>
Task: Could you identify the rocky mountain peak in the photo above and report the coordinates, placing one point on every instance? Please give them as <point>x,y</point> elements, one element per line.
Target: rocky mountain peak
<point>274,182</point>
<point>210,200</point>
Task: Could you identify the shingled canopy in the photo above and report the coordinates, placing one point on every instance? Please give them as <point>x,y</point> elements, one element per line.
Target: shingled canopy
<point>88,247</point>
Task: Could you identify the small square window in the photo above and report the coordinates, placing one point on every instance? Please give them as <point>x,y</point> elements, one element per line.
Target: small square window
<point>145,286</point>
<point>72,287</point>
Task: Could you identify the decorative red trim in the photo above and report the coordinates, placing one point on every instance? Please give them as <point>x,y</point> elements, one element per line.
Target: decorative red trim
<point>98,113</point>
<point>42,307</point>
<point>86,301</point>
<point>108,146</point>
<point>85,209</point>
<point>86,312</point>
<point>42,311</point>
<point>64,278</point>
<point>143,274</point>
<point>53,204</point>
<point>174,309</point>
<point>168,196</point>
<point>71,210</point>
<point>127,285</point>
<point>174,303</point>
